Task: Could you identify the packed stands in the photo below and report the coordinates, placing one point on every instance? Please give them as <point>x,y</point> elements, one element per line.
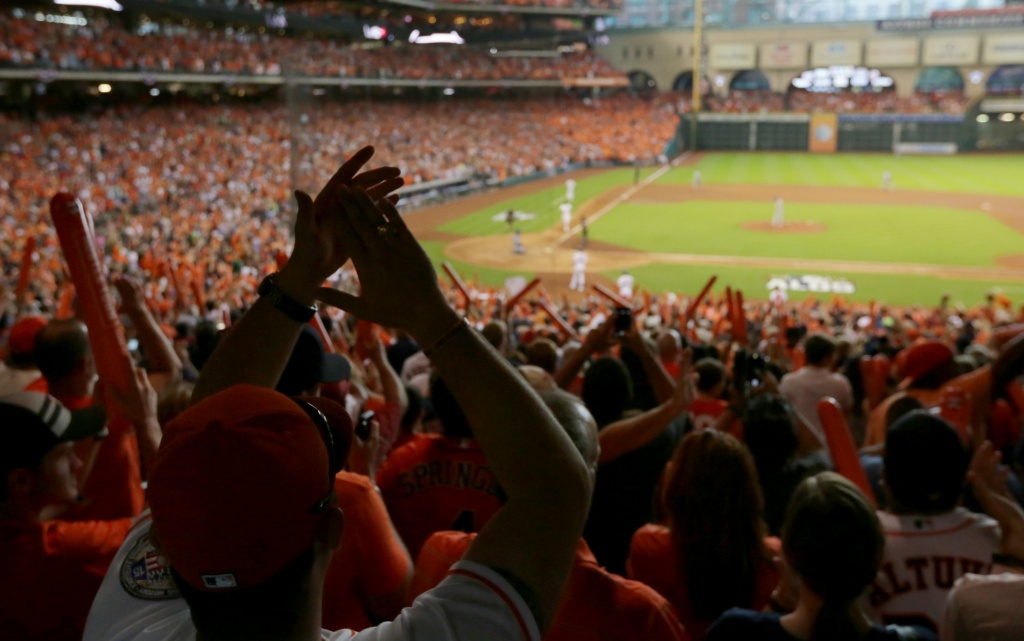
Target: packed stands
<point>105,45</point>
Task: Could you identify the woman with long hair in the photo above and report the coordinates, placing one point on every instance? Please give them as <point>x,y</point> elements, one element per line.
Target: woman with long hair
<point>714,553</point>
<point>832,546</point>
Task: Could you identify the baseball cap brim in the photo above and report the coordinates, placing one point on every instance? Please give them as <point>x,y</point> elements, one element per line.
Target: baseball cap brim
<point>90,422</point>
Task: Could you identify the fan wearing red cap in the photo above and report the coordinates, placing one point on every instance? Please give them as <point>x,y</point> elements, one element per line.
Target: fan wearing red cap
<point>19,371</point>
<point>927,369</point>
<point>243,508</point>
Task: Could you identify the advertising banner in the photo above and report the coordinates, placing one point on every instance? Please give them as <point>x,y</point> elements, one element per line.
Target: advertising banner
<point>824,132</point>
<point>828,53</point>
<point>783,56</point>
<point>1004,49</point>
<point>892,52</point>
<point>950,50</point>
<point>732,56</point>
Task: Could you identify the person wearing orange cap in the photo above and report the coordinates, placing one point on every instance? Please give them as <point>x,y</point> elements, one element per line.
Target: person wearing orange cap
<point>19,372</point>
<point>251,564</point>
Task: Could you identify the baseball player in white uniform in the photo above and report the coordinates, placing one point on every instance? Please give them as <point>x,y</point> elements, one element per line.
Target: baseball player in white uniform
<point>579,271</point>
<point>570,190</point>
<point>566,209</point>
<point>887,179</point>
<point>696,178</point>
<point>779,219</point>
<point>625,283</point>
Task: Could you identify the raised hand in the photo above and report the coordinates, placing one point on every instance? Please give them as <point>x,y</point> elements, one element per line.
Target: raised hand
<point>399,285</point>
<point>318,253</point>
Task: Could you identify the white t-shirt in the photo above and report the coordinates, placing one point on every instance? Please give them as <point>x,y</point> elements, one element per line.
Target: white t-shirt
<point>138,601</point>
<point>804,389</point>
<point>985,608</point>
<point>924,556</point>
<point>570,188</point>
<point>625,283</point>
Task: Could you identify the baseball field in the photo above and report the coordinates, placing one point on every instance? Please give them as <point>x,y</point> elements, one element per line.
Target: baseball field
<point>947,225</point>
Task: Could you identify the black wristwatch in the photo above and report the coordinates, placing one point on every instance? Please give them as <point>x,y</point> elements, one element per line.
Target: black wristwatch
<point>291,308</point>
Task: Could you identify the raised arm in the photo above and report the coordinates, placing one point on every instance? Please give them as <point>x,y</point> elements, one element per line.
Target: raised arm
<point>532,539</point>
<point>257,348</point>
<point>661,382</point>
<point>165,366</point>
<point>597,340</point>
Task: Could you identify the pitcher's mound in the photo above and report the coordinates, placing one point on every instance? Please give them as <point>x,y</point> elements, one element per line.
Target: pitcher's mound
<point>795,227</point>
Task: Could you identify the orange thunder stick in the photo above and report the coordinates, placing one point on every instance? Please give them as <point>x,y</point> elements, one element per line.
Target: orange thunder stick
<point>739,324</point>
<point>74,230</point>
<point>841,447</point>
<point>511,303</point>
<point>695,303</point>
<point>25,270</point>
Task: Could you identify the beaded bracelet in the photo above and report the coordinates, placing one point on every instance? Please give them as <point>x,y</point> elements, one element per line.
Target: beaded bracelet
<point>459,324</point>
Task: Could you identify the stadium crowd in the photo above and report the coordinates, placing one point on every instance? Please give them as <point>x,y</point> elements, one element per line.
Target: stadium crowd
<point>106,45</point>
<point>679,482</point>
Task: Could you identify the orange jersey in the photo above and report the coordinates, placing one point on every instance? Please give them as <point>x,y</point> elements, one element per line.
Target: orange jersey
<point>596,605</point>
<point>51,572</point>
<point>705,412</point>
<point>436,483</point>
<point>653,561</point>
<point>371,563</point>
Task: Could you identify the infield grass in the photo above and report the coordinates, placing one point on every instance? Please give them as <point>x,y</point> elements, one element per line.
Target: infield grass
<point>869,233</point>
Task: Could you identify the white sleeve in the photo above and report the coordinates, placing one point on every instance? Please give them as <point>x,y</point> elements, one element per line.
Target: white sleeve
<point>474,603</point>
<point>138,600</point>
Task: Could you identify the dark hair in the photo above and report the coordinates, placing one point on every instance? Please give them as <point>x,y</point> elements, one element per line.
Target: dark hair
<point>60,348</point>
<point>713,502</point>
<point>768,432</point>
<point>447,410</point>
<point>413,409</point>
<point>900,408</point>
<point>819,348</point>
<point>607,390</point>
<point>495,333</point>
<point>711,372</point>
<point>229,615</point>
<point>543,353</point>
<point>925,463</point>
<point>832,538</point>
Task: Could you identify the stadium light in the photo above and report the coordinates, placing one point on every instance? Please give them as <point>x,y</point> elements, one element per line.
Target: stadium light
<point>104,88</point>
<point>1007,117</point>
<point>154,92</point>
<point>112,5</point>
<point>982,118</point>
<point>436,38</point>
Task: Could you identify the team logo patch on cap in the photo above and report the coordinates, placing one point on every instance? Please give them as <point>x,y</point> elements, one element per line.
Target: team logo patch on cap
<point>145,573</point>
<point>219,581</point>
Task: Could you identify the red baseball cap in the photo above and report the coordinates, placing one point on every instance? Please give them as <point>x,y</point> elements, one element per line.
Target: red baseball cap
<point>917,360</point>
<point>22,339</point>
<point>239,482</point>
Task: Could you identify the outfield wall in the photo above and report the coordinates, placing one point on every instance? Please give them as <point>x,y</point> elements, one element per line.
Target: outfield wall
<point>849,132</point>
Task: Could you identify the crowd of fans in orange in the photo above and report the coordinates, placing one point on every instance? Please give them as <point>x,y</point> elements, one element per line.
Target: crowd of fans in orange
<point>181,175</point>
<point>106,45</point>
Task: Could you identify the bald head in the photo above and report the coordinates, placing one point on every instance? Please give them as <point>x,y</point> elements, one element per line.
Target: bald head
<point>577,422</point>
<point>62,349</point>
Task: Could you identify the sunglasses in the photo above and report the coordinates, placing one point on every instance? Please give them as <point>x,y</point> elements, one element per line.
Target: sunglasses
<point>324,428</point>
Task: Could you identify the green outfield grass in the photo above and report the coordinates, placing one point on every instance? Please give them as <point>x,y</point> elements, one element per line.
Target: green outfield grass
<point>870,233</point>
<point>543,205</point>
<point>970,174</point>
<point>890,289</point>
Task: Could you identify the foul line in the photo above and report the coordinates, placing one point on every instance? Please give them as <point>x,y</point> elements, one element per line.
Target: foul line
<point>626,195</point>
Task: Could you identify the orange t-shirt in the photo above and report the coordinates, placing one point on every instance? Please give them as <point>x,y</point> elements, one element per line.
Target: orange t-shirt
<point>652,561</point>
<point>114,488</point>
<point>705,412</point>
<point>596,605</point>
<point>51,572</point>
<point>371,562</point>
<point>978,384</point>
<point>436,483</point>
